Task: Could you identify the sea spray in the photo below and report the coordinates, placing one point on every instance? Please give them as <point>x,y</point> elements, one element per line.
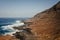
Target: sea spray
<point>10,28</point>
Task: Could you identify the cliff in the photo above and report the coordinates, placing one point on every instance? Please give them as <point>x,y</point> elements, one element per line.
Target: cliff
<point>46,24</point>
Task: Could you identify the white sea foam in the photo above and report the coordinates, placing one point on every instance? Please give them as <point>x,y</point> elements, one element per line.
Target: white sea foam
<point>11,33</point>
<point>12,30</point>
<point>17,24</point>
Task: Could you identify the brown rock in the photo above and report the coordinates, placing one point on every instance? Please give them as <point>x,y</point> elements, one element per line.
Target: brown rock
<point>7,37</point>
<point>46,25</point>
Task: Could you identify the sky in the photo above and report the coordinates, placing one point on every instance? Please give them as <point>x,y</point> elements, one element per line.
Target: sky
<point>23,8</point>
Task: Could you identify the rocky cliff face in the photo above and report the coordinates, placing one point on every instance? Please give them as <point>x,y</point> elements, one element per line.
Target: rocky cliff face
<point>45,26</point>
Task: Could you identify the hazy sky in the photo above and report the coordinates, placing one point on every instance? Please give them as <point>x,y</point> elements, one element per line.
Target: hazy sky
<point>24,8</point>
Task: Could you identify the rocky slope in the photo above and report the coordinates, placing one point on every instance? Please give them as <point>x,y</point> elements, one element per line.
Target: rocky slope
<point>45,26</point>
<point>8,37</point>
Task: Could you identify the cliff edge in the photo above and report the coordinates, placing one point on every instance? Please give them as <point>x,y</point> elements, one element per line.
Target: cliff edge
<point>46,25</point>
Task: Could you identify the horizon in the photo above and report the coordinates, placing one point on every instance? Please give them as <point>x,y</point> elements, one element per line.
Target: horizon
<point>24,8</point>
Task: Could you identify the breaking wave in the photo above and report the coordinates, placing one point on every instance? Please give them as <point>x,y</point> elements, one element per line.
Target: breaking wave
<point>8,29</point>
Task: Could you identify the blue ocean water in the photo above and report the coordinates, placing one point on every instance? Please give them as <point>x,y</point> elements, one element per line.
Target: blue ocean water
<point>8,21</point>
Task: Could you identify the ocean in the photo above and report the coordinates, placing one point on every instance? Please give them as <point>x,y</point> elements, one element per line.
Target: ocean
<point>6,24</point>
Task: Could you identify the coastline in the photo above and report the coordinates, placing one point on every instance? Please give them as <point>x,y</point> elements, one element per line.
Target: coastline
<point>43,26</point>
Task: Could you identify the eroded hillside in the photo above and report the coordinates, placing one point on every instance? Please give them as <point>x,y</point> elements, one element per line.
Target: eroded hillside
<point>46,25</point>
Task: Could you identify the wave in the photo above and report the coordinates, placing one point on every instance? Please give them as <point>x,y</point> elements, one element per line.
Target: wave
<point>10,28</point>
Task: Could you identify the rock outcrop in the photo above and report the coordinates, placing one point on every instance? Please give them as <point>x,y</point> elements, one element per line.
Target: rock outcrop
<point>46,25</point>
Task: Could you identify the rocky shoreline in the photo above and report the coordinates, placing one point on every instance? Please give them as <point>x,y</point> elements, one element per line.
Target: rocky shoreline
<point>43,26</point>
